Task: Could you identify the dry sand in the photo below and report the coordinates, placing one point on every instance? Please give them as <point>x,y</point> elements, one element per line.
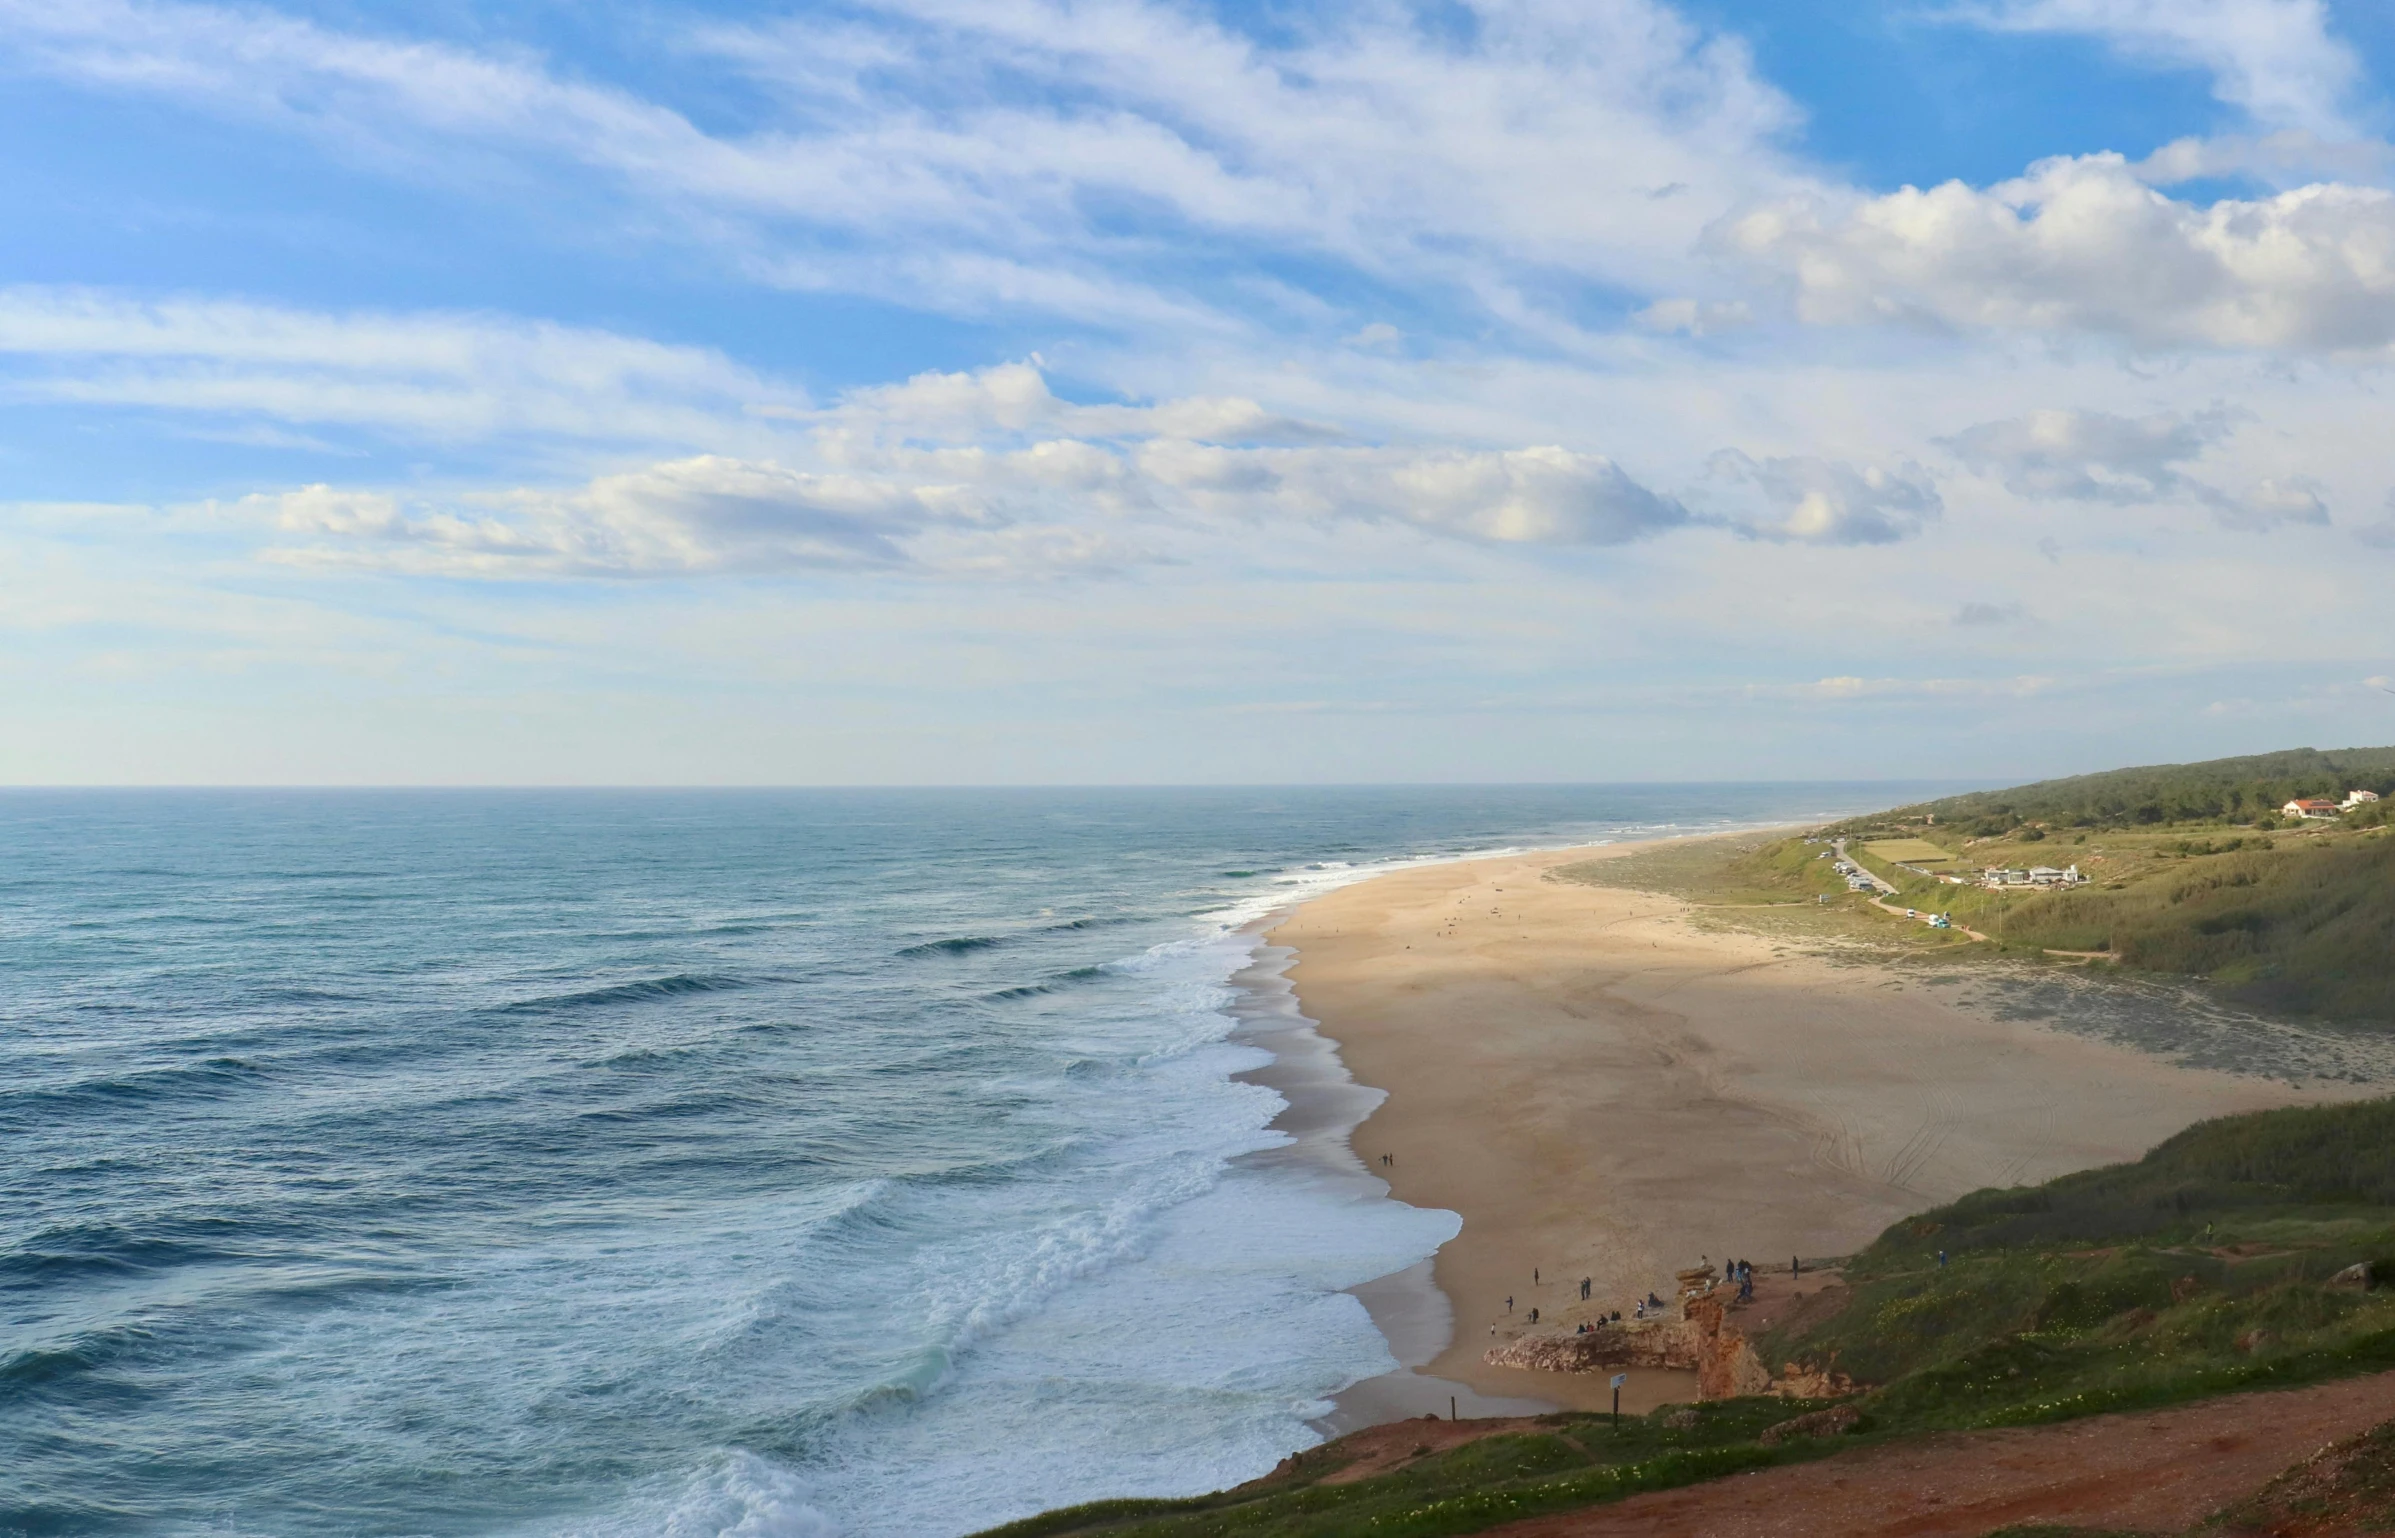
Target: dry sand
<point>1602,1090</point>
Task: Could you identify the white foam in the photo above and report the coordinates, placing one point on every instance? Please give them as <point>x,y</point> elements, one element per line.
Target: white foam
<point>1150,1318</point>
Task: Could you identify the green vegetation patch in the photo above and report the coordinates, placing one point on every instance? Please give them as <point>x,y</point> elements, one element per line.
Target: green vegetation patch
<point>2220,1261</point>
<point>1570,1461</point>
<point>1908,851</point>
<point>2218,790</point>
<point>1776,886</point>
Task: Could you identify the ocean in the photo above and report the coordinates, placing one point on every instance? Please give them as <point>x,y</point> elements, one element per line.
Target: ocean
<point>760,1163</point>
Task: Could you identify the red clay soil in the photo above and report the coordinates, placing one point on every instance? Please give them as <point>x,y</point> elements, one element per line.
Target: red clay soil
<point>1381,1449</point>
<point>2161,1473</point>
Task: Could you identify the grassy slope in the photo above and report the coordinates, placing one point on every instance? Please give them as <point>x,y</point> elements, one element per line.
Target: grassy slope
<point>2300,921</point>
<point>2199,1270</point>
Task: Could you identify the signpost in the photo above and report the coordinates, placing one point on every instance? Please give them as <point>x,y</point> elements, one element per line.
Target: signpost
<point>1619,1379</point>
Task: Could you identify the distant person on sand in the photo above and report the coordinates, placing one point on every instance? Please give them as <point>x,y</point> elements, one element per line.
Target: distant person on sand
<point>1534,1316</point>
<point>1584,1281</point>
<point>1509,1302</point>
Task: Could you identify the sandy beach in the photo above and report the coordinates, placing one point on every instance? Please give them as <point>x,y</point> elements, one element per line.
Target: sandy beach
<point>1603,1090</point>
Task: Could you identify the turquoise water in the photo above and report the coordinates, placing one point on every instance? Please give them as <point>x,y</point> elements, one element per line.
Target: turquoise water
<point>752,1163</point>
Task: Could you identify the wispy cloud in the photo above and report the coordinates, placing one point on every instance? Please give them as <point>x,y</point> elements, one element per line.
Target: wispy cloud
<point>2275,60</point>
<point>2094,456</point>
<point>1101,161</point>
<point>438,376</point>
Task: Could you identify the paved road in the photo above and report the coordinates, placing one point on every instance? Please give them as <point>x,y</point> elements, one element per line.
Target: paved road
<point>1839,845</point>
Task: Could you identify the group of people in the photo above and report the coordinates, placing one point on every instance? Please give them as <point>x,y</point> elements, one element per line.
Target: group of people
<point>1738,1273</point>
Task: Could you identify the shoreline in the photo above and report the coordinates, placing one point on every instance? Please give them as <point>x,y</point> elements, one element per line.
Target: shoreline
<point>1599,1089</point>
<point>1323,1106</point>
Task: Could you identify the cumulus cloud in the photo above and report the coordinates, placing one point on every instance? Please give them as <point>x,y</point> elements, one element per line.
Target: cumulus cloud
<point>2274,59</point>
<point>2086,244</point>
<point>1053,505</point>
<point>2094,456</point>
<point>1829,502</point>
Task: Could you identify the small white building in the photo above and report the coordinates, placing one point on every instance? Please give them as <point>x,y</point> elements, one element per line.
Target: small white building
<point>2354,798</point>
<point>2034,876</point>
<point>2314,807</point>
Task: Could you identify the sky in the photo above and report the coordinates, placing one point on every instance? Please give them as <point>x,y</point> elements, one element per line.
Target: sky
<point>940,392</point>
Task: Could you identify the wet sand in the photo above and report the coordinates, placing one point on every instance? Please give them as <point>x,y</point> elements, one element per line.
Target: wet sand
<point>1602,1090</point>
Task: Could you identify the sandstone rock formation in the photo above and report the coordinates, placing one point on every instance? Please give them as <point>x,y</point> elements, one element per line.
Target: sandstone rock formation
<point>1702,1340</point>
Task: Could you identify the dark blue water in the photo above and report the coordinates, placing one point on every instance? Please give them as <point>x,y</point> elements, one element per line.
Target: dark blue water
<point>665,1162</point>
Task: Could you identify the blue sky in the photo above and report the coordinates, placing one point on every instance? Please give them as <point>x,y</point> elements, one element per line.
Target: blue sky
<point>936,391</point>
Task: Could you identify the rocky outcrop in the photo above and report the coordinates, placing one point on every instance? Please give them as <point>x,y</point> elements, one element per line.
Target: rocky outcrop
<point>1703,1341</point>
<point>1606,1348</point>
<point>1727,1367</point>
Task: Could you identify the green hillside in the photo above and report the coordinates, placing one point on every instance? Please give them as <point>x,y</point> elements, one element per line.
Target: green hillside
<point>2217,1263</point>
<point>2189,870</point>
<point>2235,790</point>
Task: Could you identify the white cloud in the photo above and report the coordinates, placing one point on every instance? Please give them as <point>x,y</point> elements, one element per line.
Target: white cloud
<point>2272,502</point>
<point>1016,398</point>
<point>1829,502</point>
<point>945,474</point>
<point>2090,456</point>
<point>2094,456</point>
<point>2086,245</point>
<point>2273,59</point>
<point>443,376</point>
<point>701,515</point>
<point>1696,317</point>
<point>982,156</point>
<point>1534,496</point>
<point>1853,687</point>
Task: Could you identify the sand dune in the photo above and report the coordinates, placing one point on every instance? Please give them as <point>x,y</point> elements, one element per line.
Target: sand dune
<point>1602,1090</point>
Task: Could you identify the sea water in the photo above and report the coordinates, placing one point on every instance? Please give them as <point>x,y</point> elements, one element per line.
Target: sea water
<point>690,1163</point>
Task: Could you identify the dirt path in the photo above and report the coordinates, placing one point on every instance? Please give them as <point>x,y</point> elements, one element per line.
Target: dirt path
<point>2160,1473</point>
